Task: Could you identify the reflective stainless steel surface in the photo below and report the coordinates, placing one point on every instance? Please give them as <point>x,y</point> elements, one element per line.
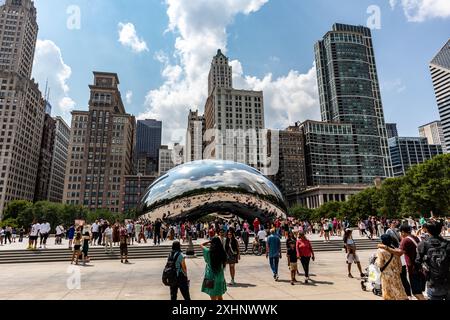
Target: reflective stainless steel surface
<point>199,188</point>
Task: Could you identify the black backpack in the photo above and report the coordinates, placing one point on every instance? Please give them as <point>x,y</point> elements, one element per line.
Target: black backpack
<point>170,276</point>
<point>437,260</point>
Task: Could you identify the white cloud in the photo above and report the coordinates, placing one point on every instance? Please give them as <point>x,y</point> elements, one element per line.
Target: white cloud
<point>129,97</point>
<point>421,10</point>
<point>395,85</point>
<point>128,37</point>
<point>49,65</point>
<point>287,99</point>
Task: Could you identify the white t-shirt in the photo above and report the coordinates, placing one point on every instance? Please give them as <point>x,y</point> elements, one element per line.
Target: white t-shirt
<point>262,235</point>
<point>59,230</point>
<point>45,228</point>
<point>35,230</point>
<point>108,232</point>
<point>95,227</point>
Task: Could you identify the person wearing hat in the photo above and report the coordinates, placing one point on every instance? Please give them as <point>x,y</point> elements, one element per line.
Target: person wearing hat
<point>391,269</point>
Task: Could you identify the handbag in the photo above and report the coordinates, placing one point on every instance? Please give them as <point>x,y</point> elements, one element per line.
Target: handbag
<point>208,284</point>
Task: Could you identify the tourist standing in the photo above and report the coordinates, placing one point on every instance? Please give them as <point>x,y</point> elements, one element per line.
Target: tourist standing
<point>305,253</point>
<point>215,258</point>
<point>95,232</point>
<point>76,248</point>
<point>157,232</point>
<point>33,236</point>
<point>85,249</point>
<point>116,233</point>
<point>123,245</point>
<point>273,252</point>
<point>59,233</point>
<point>8,234</point>
<point>108,239</point>
<point>71,235</point>
<point>245,238</point>
<point>256,225</point>
<point>14,234</point>
<point>44,231</point>
<point>391,268</point>
<point>352,257</point>
<point>182,277</point>
<point>233,254</point>
<point>292,261</point>
<point>434,255</point>
<point>2,235</point>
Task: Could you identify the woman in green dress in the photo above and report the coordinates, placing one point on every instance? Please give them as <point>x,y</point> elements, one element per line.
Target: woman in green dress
<point>215,257</point>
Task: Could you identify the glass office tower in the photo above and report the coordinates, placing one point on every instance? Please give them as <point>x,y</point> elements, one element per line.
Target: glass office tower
<point>350,94</point>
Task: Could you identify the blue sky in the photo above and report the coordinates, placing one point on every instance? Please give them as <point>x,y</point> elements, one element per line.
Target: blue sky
<point>270,43</point>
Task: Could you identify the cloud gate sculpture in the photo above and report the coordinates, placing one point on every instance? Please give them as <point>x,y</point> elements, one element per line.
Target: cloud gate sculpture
<point>200,188</point>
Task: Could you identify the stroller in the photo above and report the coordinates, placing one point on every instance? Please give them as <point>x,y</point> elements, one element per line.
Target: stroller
<point>372,280</point>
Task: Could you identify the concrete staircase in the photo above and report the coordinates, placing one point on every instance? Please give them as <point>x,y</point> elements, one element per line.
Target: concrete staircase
<point>147,252</point>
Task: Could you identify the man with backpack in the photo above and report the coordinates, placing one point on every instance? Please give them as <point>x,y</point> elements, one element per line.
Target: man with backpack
<point>175,273</point>
<point>434,257</point>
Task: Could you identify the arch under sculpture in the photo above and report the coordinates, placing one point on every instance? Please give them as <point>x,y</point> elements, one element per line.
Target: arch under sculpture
<point>200,188</point>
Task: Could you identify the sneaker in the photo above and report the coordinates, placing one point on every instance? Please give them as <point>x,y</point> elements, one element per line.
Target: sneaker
<point>126,261</point>
<point>292,283</point>
<point>362,275</point>
<point>277,277</point>
<point>306,281</point>
<point>121,261</point>
<point>350,276</point>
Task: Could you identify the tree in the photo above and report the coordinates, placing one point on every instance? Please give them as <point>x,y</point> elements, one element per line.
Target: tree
<point>390,194</point>
<point>426,187</point>
<point>302,213</point>
<point>330,210</point>
<point>15,207</point>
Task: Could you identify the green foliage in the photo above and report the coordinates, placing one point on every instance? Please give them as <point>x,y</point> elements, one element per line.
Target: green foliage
<point>301,213</point>
<point>425,188</point>
<point>9,222</point>
<point>15,207</point>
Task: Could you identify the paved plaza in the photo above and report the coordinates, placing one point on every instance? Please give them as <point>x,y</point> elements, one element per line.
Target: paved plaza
<point>141,280</point>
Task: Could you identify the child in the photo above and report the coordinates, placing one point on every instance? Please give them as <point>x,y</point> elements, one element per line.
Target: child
<point>123,245</point>
<point>292,261</point>
<point>76,248</point>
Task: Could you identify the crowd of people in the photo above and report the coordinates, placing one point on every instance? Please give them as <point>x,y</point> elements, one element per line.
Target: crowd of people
<point>405,258</point>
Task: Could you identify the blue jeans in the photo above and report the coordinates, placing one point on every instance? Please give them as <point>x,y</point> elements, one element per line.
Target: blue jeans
<point>274,264</point>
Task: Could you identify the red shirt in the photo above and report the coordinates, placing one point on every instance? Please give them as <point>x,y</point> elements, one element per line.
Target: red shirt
<point>304,248</point>
<point>277,223</point>
<point>410,249</point>
<point>256,225</point>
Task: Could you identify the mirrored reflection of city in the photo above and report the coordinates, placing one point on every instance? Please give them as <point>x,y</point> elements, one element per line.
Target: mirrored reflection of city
<point>200,188</point>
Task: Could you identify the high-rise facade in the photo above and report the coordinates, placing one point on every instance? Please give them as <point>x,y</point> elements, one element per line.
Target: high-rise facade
<point>391,130</point>
<point>45,159</point>
<point>331,154</point>
<point>22,106</point>
<point>148,142</point>
<point>406,152</point>
<point>440,74</point>
<point>170,158</point>
<point>134,188</point>
<point>101,148</point>
<point>194,136</point>
<point>349,94</point>
<point>434,133</point>
<point>234,119</point>
<point>288,150</point>
<point>59,160</point>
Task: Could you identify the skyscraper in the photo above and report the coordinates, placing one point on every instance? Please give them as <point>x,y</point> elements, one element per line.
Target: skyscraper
<point>440,74</point>
<point>391,130</point>
<point>406,152</point>
<point>194,136</point>
<point>45,159</point>
<point>101,148</point>
<point>59,161</point>
<point>434,133</point>
<point>234,119</point>
<point>22,106</point>
<point>148,142</point>
<point>349,94</point>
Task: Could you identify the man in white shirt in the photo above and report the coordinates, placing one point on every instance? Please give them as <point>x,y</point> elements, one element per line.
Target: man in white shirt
<point>33,236</point>
<point>262,235</point>
<point>108,239</point>
<point>59,233</point>
<point>94,229</point>
<point>44,231</point>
